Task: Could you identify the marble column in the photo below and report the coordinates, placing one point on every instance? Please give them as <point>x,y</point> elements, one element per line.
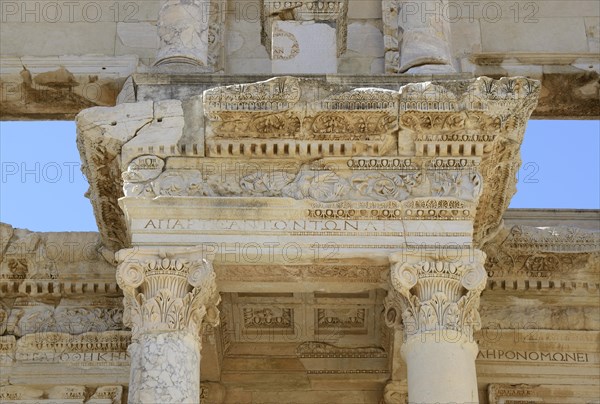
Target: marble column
<point>434,299</point>
<point>183,27</point>
<point>424,37</point>
<point>170,295</point>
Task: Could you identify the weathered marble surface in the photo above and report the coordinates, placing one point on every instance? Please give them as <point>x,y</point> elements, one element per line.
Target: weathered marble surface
<point>294,51</point>
<point>424,38</point>
<point>165,368</point>
<point>183,32</point>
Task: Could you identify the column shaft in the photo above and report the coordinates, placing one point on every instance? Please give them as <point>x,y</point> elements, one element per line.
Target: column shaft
<point>441,368</point>
<point>165,368</point>
<point>183,32</point>
<point>424,44</point>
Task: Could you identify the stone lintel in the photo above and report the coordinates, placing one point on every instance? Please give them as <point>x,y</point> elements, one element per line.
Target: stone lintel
<point>566,94</point>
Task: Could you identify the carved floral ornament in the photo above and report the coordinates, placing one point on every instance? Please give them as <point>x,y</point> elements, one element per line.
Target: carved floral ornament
<point>167,290</point>
<point>61,394</point>
<point>435,293</point>
<point>548,252</point>
<point>324,182</point>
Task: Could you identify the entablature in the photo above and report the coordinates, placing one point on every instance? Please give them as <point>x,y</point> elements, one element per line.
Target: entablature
<point>429,152</point>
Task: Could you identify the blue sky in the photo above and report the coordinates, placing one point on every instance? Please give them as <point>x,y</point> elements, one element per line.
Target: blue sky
<point>41,185</point>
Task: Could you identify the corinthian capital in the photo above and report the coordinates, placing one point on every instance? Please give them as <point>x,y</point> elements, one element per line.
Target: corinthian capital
<point>433,291</point>
<point>167,289</point>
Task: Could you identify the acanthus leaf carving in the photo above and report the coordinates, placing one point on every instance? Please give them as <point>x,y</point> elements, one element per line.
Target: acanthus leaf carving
<point>167,290</point>
<point>435,293</point>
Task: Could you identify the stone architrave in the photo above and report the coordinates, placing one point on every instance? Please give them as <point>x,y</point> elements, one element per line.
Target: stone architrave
<point>170,295</point>
<point>434,298</point>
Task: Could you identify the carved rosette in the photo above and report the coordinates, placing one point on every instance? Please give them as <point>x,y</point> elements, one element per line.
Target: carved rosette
<point>432,293</point>
<point>167,290</point>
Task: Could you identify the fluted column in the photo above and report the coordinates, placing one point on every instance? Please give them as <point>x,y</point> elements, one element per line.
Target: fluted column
<point>170,295</point>
<point>434,298</point>
<point>183,27</point>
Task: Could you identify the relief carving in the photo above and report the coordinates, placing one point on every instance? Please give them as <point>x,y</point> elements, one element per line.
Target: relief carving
<point>550,252</point>
<point>172,289</point>
<point>72,320</point>
<point>289,116</point>
<point>317,349</point>
<point>314,273</point>
<point>61,394</point>
<point>395,392</point>
<point>269,317</point>
<point>436,293</point>
<point>307,119</point>
<point>322,182</point>
<point>341,318</point>
<point>513,393</point>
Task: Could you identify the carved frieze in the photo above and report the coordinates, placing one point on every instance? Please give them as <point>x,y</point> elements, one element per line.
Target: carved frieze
<point>170,289</point>
<point>297,273</point>
<point>318,349</point>
<point>268,317</point>
<point>51,257</point>
<point>71,320</point>
<point>436,293</point>
<point>477,122</point>
<point>288,116</point>
<point>85,350</point>
<point>342,319</point>
<point>313,318</point>
<point>328,180</point>
<point>543,253</point>
<point>61,394</point>
<point>513,393</point>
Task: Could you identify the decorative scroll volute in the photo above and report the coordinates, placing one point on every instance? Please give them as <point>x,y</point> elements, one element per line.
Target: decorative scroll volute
<point>432,292</point>
<point>172,289</point>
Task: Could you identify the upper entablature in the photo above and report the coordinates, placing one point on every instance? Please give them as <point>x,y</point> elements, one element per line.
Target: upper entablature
<point>468,156</point>
<point>89,49</point>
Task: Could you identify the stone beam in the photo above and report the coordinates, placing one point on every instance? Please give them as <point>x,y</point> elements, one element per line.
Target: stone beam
<point>565,93</point>
<point>48,88</point>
